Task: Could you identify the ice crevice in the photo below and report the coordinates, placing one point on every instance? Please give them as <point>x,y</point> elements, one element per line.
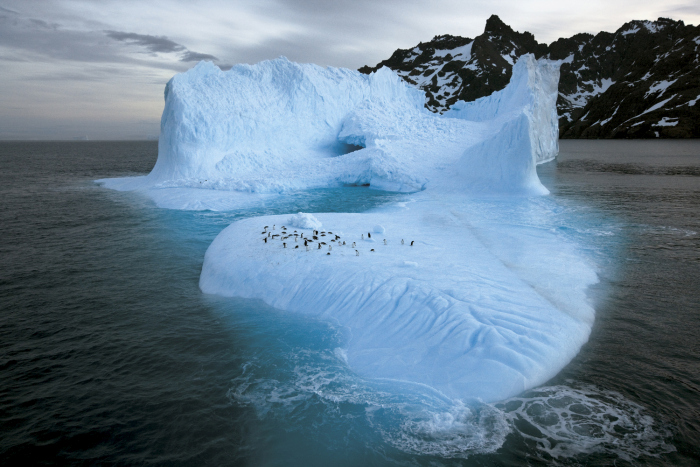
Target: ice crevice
<point>480,307</point>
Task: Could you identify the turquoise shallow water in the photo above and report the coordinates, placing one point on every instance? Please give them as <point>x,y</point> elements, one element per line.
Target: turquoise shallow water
<point>110,353</point>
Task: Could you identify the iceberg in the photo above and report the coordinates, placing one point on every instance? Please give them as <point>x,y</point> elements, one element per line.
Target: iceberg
<point>280,126</point>
<point>464,286</point>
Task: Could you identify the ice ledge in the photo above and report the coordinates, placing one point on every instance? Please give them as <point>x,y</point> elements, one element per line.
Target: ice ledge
<point>432,305</point>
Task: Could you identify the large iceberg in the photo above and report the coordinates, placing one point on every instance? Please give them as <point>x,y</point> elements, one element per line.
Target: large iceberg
<point>463,287</point>
<point>279,126</point>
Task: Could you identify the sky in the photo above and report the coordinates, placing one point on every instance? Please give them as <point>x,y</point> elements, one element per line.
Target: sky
<point>97,68</point>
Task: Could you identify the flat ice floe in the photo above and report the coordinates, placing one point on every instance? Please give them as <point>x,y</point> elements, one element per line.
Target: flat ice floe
<point>431,291</point>
<point>446,311</point>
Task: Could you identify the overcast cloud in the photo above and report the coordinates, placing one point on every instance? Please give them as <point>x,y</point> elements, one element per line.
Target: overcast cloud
<point>72,68</point>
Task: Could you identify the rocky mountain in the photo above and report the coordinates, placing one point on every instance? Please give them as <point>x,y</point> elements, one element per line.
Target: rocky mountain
<point>642,81</point>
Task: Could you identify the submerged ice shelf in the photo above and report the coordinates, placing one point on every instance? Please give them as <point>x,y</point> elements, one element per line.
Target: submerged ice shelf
<point>474,308</point>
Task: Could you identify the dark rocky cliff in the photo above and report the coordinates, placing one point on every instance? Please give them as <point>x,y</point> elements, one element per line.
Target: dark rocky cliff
<point>642,81</point>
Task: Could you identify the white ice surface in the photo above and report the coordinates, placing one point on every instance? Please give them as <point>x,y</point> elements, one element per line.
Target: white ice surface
<point>479,307</point>
<point>280,126</point>
<point>533,90</point>
<point>476,308</point>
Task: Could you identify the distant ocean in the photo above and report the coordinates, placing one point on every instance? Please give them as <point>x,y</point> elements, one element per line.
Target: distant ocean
<point>110,354</point>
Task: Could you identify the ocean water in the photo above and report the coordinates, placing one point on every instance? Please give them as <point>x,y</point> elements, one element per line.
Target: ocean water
<point>110,354</point>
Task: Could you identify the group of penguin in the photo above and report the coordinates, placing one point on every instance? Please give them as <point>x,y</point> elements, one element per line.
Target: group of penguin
<point>268,235</point>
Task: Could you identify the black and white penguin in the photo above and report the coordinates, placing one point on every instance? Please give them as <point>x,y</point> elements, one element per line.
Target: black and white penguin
<point>357,253</point>
<point>265,239</point>
<point>296,246</point>
<point>412,242</point>
<point>330,248</point>
<point>372,249</point>
<point>273,226</point>
<point>369,235</point>
<point>319,246</point>
<point>269,233</point>
<point>402,241</point>
<point>385,241</point>
<point>285,245</point>
<point>327,253</point>
<point>306,243</point>
<point>353,244</point>
<point>362,236</point>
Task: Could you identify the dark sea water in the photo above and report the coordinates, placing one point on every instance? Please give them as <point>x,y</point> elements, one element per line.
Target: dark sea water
<point>110,354</point>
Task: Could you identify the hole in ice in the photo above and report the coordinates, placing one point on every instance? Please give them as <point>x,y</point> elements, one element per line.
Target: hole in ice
<point>340,148</point>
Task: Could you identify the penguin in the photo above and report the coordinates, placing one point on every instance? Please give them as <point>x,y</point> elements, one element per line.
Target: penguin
<point>263,232</point>
<point>353,244</point>
<point>315,237</point>
<point>369,235</point>
<point>343,242</point>
<point>385,241</point>
<point>285,245</point>
<point>265,239</point>
<point>402,241</point>
<point>327,253</point>
<point>306,244</point>
<point>319,246</point>
<point>295,238</point>
<point>331,233</point>
<point>363,236</point>
<point>372,249</point>
<point>266,227</point>
<point>273,226</point>
<point>357,253</point>
<point>330,248</point>
<point>412,242</point>
<point>269,233</point>
<point>337,237</point>
<point>307,247</point>
<point>296,246</point>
